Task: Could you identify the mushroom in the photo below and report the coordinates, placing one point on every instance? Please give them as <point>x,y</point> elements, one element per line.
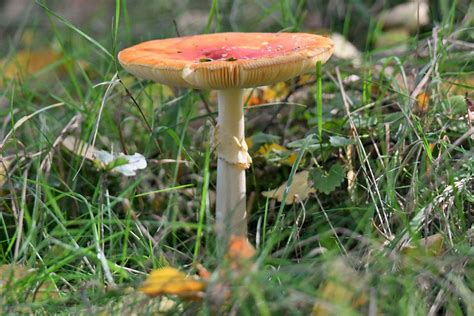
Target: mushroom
<point>228,63</point>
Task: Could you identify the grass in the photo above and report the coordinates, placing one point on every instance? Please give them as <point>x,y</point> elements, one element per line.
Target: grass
<point>393,235</point>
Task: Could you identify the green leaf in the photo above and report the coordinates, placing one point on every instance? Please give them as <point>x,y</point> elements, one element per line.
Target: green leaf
<point>339,141</point>
<point>327,181</point>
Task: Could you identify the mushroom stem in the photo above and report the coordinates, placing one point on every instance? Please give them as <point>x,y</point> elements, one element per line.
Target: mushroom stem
<point>231,153</point>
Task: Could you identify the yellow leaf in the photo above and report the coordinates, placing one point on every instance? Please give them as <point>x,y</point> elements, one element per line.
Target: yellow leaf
<point>275,92</point>
<point>268,94</point>
<point>267,149</point>
<point>343,289</point>
<point>249,142</point>
<point>306,79</point>
<point>422,103</point>
<point>432,246</point>
<point>170,281</point>
<point>26,63</point>
<point>299,189</point>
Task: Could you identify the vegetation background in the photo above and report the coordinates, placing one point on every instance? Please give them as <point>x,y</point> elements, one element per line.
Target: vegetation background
<point>378,220</point>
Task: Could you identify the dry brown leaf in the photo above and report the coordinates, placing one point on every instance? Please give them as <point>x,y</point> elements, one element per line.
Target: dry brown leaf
<point>4,166</point>
<point>10,274</point>
<point>299,189</point>
<point>170,281</point>
<point>458,85</point>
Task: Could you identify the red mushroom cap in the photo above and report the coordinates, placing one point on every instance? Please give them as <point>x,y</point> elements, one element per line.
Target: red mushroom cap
<point>226,60</point>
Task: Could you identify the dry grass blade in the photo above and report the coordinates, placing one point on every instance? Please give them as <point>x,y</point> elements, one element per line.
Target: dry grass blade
<point>24,119</point>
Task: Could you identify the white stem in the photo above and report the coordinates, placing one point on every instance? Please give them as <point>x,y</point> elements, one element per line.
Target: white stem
<point>230,202</point>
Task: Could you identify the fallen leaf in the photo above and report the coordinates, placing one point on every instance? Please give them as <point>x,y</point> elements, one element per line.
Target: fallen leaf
<point>267,94</point>
<point>422,103</point>
<point>4,166</point>
<point>299,189</point>
<point>408,15</point>
<point>432,246</point>
<point>273,150</point>
<point>79,148</point>
<point>26,63</point>
<point>458,85</point>
<point>255,141</point>
<point>170,281</point>
<point>343,49</point>
<point>343,289</point>
<point>12,274</point>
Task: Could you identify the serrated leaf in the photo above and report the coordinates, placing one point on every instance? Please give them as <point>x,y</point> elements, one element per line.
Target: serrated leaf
<point>328,181</point>
<point>339,141</point>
